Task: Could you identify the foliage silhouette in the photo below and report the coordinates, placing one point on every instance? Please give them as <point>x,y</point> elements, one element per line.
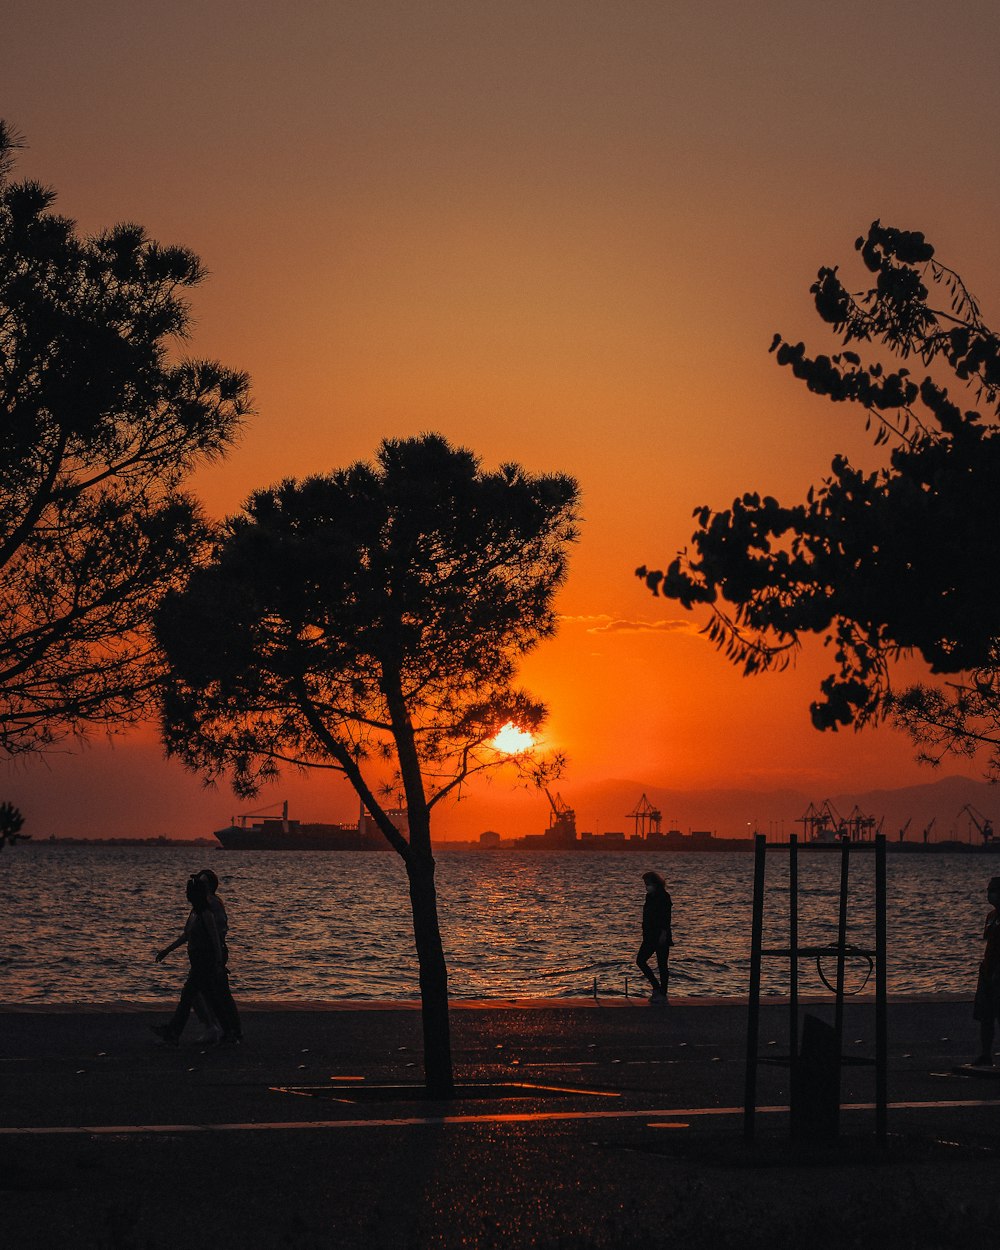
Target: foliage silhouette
<point>370,622</point>
<point>898,561</point>
<point>97,431</point>
<point>11,824</point>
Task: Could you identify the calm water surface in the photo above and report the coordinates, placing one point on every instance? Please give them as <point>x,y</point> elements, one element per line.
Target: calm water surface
<point>82,924</point>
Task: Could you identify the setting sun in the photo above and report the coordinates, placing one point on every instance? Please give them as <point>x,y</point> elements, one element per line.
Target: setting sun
<point>512,740</point>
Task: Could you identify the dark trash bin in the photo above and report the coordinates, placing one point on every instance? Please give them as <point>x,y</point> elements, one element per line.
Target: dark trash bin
<point>815,1093</point>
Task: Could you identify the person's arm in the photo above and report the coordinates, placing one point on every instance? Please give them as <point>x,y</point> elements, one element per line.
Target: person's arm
<point>991,948</point>
<point>167,950</point>
<point>663,937</point>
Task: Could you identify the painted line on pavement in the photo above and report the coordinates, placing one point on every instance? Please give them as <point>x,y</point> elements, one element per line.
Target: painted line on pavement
<point>513,1117</point>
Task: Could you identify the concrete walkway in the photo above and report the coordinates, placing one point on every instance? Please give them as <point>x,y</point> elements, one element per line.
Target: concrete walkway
<point>579,1125</point>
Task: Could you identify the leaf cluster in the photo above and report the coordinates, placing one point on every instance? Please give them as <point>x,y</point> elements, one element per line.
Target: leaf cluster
<point>959,717</point>
<point>899,312</point>
<point>372,616</point>
<point>11,824</point>
<point>98,428</point>
<point>904,559</point>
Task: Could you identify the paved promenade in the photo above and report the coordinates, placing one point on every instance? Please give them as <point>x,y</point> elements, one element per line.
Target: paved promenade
<point>616,1124</point>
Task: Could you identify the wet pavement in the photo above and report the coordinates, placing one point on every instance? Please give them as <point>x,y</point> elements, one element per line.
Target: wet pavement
<point>578,1125</point>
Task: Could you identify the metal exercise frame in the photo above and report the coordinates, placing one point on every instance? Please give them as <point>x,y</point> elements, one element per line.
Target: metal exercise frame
<point>793,952</point>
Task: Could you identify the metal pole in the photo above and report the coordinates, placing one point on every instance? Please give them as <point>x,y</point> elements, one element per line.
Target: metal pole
<point>881,1012</point>
<point>838,1020</point>
<point>753,1005</point>
<point>793,955</point>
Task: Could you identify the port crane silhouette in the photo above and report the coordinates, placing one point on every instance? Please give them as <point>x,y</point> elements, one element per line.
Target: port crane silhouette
<point>821,824</point>
<point>981,821</point>
<point>647,818</point>
<point>562,819</point>
<point>825,824</point>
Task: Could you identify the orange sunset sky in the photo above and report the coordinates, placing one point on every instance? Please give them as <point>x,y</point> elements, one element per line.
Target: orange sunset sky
<point>560,232</point>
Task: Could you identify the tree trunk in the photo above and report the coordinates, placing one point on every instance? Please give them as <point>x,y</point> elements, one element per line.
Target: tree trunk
<point>438,1073</point>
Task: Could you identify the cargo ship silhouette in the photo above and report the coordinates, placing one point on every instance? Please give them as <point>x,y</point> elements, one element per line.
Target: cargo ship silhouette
<point>278,833</point>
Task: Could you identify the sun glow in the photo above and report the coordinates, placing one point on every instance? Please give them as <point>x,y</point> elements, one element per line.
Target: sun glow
<point>512,740</point>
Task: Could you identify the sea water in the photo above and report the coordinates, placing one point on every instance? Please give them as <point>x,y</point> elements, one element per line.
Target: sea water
<point>82,924</point>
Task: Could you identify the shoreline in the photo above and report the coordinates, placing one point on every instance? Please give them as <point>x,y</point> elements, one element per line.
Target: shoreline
<point>582,1003</point>
<point>589,846</point>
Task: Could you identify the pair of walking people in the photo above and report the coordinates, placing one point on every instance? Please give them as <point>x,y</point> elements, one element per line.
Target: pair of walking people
<point>206,990</point>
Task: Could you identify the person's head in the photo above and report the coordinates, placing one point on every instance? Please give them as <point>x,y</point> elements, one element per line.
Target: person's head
<point>197,892</point>
<point>210,879</point>
<point>993,892</point>
<point>653,881</point>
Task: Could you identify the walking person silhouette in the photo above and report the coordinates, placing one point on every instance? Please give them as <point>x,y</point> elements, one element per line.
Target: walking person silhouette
<point>223,1001</point>
<point>986,1008</point>
<point>657,936</point>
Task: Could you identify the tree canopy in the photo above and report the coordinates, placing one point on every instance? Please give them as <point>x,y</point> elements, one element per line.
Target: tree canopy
<point>98,428</point>
<point>370,622</point>
<point>341,609</point>
<point>901,560</point>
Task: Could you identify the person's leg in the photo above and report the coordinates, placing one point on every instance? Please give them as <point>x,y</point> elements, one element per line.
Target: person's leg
<point>663,964</point>
<point>642,958</point>
<point>988,1023</point>
<point>225,1008</point>
<point>203,1010</point>
<point>193,986</point>
<point>985,1009</point>
<point>985,1040</point>
<point>211,1028</point>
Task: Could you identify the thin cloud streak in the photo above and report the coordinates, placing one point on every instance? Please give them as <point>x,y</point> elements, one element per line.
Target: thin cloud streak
<point>603,624</point>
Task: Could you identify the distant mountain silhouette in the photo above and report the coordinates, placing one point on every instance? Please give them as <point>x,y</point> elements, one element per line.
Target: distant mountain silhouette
<point>737,812</point>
